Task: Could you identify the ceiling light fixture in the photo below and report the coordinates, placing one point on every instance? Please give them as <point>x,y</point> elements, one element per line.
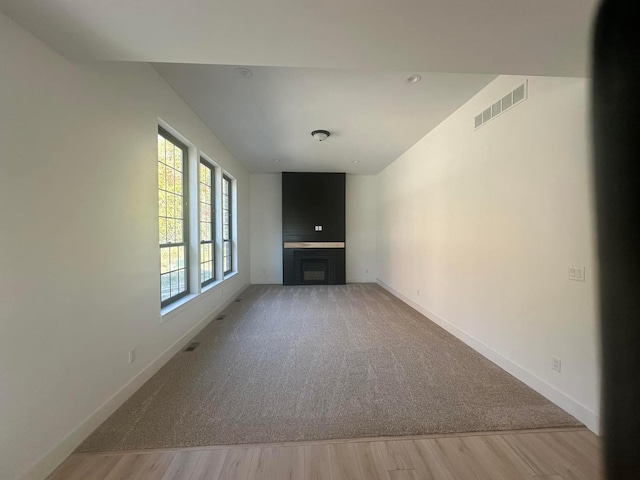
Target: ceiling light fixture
<point>320,135</point>
<point>355,161</point>
<point>413,79</point>
<point>276,159</point>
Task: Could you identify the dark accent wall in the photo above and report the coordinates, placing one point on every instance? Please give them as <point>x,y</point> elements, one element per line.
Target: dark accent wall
<point>310,200</point>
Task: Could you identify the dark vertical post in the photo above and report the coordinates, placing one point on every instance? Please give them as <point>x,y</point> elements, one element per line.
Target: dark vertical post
<point>616,131</point>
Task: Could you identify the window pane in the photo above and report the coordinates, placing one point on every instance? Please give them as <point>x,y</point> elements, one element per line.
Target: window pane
<point>165,286</point>
<point>173,259</point>
<point>162,173</point>
<point>162,203</point>
<point>174,283</point>
<point>177,156</point>
<point>161,147</point>
<point>164,260</point>
<point>181,263</point>
<point>181,284</point>
<point>179,231</point>
<point>163,230</point>
<point>178,183</point>
<point>171,230</point>
<point>206,271</point>
<point>169,154</point>
<point>171,211</point>
<point>170,179</point>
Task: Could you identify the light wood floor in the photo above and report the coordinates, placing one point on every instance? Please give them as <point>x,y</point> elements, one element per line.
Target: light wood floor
<point>560,454</point>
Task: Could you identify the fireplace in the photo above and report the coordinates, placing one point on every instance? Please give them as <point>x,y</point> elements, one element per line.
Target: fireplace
<point>306,265</point>
<point>313,228</point>
<point>314,271</point>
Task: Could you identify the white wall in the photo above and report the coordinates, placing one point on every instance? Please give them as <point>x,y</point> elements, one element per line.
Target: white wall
<point>266,228</point>
<point>361,203</point>
<point>79,259</point>
<point>485,224</point>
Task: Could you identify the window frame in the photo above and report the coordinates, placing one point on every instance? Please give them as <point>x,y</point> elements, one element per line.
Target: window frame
<point>185,218</point>
<point>212,222</point>
<point>229,209</point>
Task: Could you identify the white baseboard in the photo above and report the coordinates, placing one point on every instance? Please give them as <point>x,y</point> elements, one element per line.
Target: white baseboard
<point>361,280</point>
<point>54,457</point>
<point>562,400</point>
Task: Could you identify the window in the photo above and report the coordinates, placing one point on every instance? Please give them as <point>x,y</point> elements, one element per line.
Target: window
<point>172,194</point>
<point>227,233</point>
<point>207,231</point>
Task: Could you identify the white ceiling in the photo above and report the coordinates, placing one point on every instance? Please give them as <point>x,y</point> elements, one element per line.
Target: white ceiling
<point>335,65</point>
<point>373,117</point>
<point>530,37</point>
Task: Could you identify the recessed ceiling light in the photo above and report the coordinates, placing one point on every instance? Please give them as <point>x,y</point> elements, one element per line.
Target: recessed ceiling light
<point>412,79</point>
<point>244,72</point>
<point>355,161</point>
<point>276,159</point>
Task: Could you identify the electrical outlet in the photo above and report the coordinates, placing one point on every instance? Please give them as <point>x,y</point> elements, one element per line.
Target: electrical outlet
<point>366,270</point>
<point>556,364</point>
<point>132,356</point>
<point>576,273</point>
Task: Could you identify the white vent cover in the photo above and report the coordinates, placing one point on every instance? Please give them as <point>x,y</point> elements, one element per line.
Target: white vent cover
<point>509,100</point>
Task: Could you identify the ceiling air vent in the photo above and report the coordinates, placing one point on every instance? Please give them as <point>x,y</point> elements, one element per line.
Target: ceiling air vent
<point>518,94</point>
<point>505,103</point>
<point>496,108</point>
<point>486,115</point>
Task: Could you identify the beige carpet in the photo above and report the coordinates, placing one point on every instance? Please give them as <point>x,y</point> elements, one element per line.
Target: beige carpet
<point>309,363</point>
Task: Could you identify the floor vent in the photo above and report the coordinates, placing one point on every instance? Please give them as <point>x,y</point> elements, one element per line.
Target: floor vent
<point>505,103</point>
<point>192,347</point>
<point>221,317</point>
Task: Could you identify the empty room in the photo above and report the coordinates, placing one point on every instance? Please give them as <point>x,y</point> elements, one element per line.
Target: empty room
<point>298,240</point>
